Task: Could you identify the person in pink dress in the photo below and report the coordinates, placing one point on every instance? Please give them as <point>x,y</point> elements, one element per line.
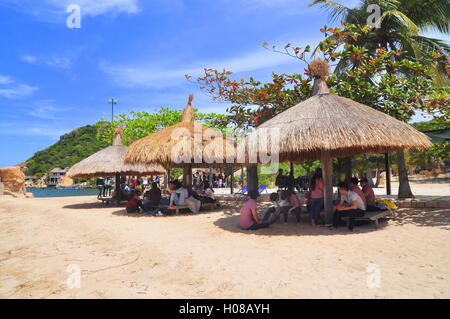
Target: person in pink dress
<point>248,218</point>
<point>316,198</point>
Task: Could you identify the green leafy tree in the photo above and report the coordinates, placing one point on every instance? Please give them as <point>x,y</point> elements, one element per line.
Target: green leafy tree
<point>140,124</point>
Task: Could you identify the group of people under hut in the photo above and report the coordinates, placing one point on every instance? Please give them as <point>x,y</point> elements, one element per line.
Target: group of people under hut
<point>176,194</point>
<point>351,201</point>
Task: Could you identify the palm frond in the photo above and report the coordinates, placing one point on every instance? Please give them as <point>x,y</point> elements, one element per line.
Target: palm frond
<point>402,18</point>
<point>334,8</point>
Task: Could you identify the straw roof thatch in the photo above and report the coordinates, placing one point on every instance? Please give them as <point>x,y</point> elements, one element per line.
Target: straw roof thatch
<point>182,143</point>
<point>109,161</point>
<point>338,124</point>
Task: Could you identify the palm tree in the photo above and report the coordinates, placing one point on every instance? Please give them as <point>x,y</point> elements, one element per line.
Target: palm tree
<point>401,25</point>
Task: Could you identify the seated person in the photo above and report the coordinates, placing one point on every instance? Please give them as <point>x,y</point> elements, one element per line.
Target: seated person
<point>134,204</point>
<point>350,204</point>
<point>206,193</point>
<point>284,205</point>
<point>248,218</point>
<point>180,196</point>
<point>271,212</point>
<point>295,205</point>
<point>153,197</point>
<point>355,188</point>
<point>368,194</point>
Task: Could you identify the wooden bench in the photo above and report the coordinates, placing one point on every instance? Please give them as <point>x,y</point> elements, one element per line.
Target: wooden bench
<point>375,216</point>
<point>175,208</point>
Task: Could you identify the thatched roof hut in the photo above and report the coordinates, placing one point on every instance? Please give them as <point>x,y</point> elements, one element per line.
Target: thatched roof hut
<point>327,125</point>
<point>186,144</point>
<point>109,161</point>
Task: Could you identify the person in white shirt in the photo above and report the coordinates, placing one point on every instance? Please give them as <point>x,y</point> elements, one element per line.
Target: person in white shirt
<point>180,196</point>
<point>350,204</point>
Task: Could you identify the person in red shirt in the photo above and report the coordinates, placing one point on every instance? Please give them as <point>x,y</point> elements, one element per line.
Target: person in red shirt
<point>134,204</point>
<point>368,193</point>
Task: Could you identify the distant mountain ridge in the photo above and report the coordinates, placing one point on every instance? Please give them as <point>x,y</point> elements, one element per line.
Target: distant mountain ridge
<point>69,150</point>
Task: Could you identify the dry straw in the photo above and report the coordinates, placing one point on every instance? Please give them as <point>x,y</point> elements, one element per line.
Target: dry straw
<point>338,124</point>
<point>109,161</point>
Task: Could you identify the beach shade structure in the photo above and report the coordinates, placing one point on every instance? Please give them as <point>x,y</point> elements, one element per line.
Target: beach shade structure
<point>186,145</point>
<point>327,125</point>
<point>109,162</point>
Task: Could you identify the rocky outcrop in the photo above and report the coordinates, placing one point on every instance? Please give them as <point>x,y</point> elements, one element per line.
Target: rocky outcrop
<point>13,180</point>
<point>66,181</point>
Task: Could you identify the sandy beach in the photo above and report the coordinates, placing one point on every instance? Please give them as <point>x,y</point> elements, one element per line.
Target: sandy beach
<point>208,256</point>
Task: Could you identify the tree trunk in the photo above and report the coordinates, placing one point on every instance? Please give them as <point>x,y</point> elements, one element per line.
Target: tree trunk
<point>252,177</point>
<point>404,189</point>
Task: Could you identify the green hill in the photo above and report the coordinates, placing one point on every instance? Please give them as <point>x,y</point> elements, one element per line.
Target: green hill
<point>70,149</point>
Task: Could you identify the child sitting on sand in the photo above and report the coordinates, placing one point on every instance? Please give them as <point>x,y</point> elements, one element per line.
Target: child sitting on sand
<point>134,204</point>
<point>271,212</point>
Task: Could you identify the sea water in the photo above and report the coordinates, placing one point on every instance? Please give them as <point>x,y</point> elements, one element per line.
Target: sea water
<point>55,192</point>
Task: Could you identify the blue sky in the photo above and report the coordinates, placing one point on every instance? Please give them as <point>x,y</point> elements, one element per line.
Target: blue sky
<point>54,79</point>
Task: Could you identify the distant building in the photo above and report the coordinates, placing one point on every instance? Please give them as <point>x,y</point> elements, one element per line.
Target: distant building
<point>56,174</point>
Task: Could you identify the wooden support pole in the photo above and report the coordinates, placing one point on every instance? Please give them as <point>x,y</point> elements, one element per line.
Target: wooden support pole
<point>387,166</point>
<point>327,175</point>
<point>187,177</point>
<point>118,188</point>
<point>232,180</point>
<point>252,177</point>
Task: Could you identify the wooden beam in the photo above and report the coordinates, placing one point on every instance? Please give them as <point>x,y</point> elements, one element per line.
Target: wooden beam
<point>327,175</point>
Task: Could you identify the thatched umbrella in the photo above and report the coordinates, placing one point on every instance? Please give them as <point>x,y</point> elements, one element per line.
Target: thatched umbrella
<point>327,125</point>
<point>186,144</point>
<point>109,161</point>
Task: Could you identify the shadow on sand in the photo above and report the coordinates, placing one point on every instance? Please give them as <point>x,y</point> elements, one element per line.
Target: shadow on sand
<point>291,228</point>
<point>424,217</point>
<point>92,205</point>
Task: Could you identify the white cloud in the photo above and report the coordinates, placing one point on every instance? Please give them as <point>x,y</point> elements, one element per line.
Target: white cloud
<point>46,109</point>
<point>157,75</point>
<point>4,79</point>
<point>56,61</point>
<point>55,10</point>
<point>29,59</point>
<point>98,7</point>
<point>11,89</point>
<point>59,62</point>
